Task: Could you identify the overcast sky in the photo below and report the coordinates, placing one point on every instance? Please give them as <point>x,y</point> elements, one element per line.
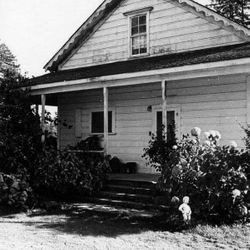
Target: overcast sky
<point>34,30</point>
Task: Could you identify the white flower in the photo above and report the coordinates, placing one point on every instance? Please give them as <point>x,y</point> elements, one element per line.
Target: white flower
<point>212,133</point>
<point>233,144</point>
<point>217,135</point>
<point>207,143</point>
<point>196,132</point>
<point>236,192</point>
<point>206,135</point>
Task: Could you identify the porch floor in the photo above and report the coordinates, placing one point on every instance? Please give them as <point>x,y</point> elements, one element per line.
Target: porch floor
<point>135,177</point>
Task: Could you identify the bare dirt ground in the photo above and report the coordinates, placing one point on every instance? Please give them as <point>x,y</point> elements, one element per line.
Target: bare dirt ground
<point>94,230</point>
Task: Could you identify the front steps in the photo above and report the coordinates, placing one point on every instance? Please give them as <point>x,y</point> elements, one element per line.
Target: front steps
<point>130,193</point>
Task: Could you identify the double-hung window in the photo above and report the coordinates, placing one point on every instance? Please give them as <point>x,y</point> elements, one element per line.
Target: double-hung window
<point>138,31</point>
<point>139,35</point>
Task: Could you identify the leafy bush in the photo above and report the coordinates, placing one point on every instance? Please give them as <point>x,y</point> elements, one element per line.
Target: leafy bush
<point>15,192</point>
<point>20,130</point>
<point>66,173</point>
<point>159,148</point>
<point>206,172</point>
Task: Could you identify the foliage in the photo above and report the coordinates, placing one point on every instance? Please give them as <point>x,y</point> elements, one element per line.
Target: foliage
<point>67,173</point>
<point>236,10</point>
<point>247,137</point>
<point>15,191</point>
<point>206,172</point>
<point>247,143</point>
<point>7,60</point>
<point>160,145</point>
<point>19,126</point>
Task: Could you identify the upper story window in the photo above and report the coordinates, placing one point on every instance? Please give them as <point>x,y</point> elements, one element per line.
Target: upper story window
<point>139,35</point>
<point>139,31</point>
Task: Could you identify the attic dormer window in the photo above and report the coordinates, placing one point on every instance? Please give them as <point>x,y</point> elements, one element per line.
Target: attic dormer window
<point>139,31</point>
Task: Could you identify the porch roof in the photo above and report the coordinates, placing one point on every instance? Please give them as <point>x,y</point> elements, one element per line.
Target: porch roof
<point>145,64</point>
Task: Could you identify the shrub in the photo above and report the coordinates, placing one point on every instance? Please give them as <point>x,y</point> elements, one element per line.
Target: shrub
<point>65,173</point>
<point>159,148</point>
<point>206,172</point>
<point>20,130</point>
<point>15,192</point>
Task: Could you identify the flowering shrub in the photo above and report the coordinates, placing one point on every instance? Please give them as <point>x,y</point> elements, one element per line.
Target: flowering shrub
<point>205,171</point>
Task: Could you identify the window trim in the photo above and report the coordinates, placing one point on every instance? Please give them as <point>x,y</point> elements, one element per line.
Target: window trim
<point>113,121</point>
<point>131,14</point>
<point>176,109</point>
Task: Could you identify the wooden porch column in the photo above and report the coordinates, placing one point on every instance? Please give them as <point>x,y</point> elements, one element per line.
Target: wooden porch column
<point>164,105</point>
<point>248,100</point>
<point>43,102</point>
<point>106,132</point>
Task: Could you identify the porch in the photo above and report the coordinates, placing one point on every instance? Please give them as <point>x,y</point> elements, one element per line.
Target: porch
<point>208,95</point>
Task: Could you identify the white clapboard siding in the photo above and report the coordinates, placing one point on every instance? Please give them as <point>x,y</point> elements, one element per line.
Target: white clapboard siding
<point>173,28</point>
<point>210,103</point>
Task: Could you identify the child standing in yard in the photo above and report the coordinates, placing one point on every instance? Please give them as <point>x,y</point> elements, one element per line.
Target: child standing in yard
<point>186,210</point>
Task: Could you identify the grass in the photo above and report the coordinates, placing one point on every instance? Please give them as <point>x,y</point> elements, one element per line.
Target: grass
<point>92,230</point>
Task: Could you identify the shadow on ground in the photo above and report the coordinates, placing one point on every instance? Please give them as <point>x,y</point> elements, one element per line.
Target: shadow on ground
<point>93,223</point>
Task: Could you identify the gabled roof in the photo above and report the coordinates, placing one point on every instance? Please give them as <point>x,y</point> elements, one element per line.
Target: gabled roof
<point>108,6</point>
<point>150,63</point>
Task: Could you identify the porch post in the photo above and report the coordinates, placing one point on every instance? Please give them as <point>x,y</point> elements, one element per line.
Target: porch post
<point>43,102</point>
<point>164,106</point>
<point>248,99</point>
<point>105,97</point>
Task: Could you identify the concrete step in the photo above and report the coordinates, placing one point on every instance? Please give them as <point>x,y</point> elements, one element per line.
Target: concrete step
<point>129,190</point>
<point>132,183</point>
<point>127,196</point>
<point>127,204</point>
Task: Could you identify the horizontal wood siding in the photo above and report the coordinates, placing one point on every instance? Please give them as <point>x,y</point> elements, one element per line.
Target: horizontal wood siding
<point>172,29</point>
<point>209,103</point>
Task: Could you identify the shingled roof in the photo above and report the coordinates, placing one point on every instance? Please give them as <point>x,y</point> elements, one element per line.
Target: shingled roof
<point>150,63</point>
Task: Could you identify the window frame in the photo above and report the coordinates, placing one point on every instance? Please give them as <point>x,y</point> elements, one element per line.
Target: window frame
<point>176,109</point>
<point>113,132</point>
<point>136,13</point>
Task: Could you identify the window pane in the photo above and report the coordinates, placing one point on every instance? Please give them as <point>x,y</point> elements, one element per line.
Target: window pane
<point>135,51</point>
<point>135,30</point>
<point>139,42</point>
<point>143,50</point>
<point>170,124</point>
<point>159,123</point>
<point>135,21</point>
<point>97,122</point>
<point>142,19</point>
<point>143,29</point>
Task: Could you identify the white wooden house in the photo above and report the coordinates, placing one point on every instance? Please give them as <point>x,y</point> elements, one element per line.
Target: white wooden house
<point>136,63</point>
